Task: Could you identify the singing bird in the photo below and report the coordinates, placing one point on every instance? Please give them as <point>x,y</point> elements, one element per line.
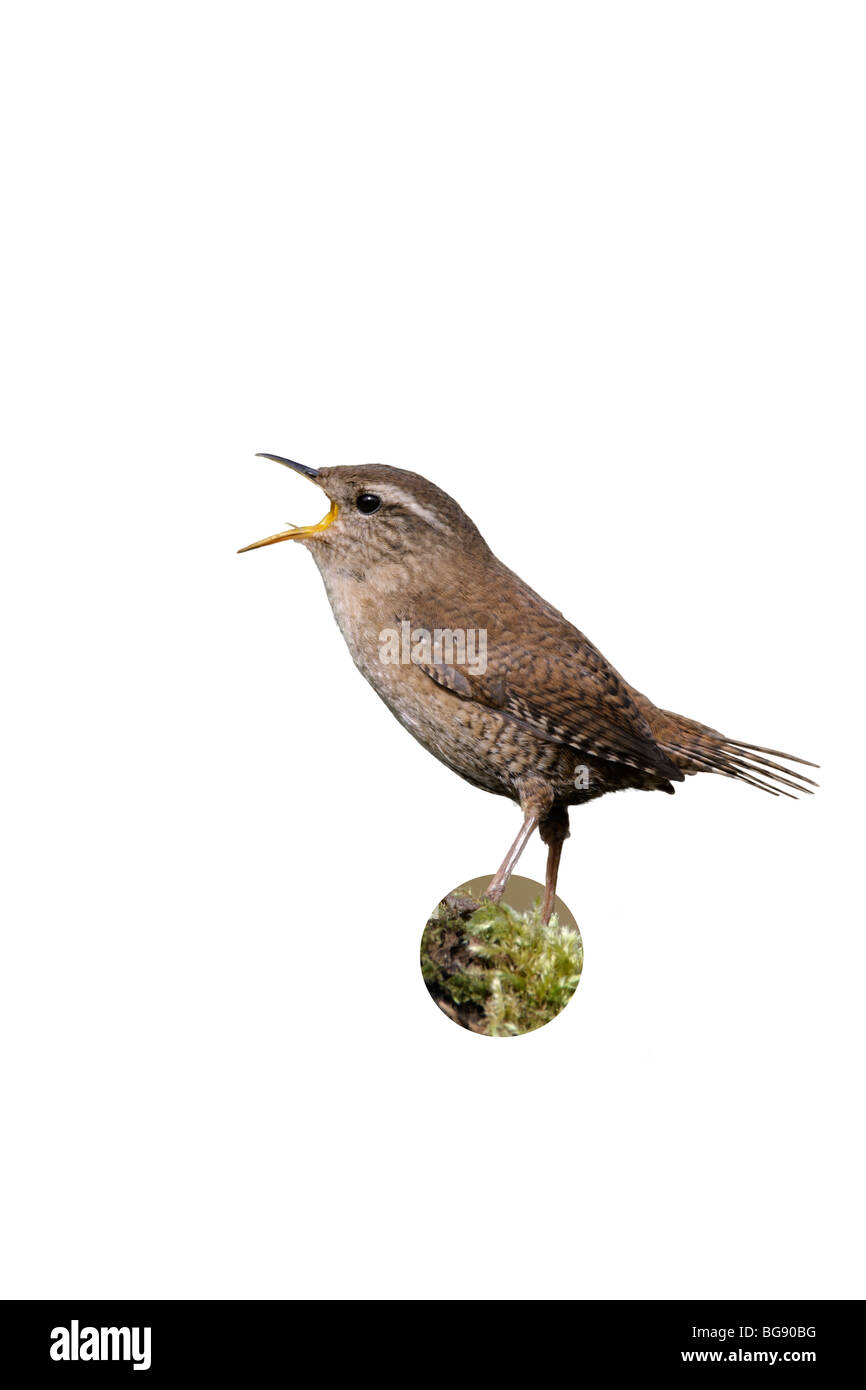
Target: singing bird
<point>486,674</point>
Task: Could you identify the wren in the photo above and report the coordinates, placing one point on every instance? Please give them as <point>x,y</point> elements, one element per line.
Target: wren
<point>486,674</point>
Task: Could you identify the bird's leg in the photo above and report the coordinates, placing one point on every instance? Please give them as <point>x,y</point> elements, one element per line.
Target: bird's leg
<point>554,850</point>
<point>499,881</point>
<point>554,832</point>
<point>536,801</point>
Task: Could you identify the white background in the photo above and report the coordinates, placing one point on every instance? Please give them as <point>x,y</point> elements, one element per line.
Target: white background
<point>597,270</point>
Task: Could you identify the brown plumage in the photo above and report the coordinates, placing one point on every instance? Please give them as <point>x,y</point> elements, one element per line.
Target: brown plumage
<point>541,717</point>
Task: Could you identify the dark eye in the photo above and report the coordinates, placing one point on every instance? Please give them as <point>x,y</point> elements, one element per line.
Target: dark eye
<point>368,502</point>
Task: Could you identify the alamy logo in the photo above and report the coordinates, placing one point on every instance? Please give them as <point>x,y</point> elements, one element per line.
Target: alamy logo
<point>76,1343</point>
<point>443,646</point>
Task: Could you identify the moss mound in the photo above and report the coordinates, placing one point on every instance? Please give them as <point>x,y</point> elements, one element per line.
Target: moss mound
<point>497,971</point>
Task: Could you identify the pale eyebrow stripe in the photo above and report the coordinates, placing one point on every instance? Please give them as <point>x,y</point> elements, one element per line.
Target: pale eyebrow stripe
<point>396,495</point>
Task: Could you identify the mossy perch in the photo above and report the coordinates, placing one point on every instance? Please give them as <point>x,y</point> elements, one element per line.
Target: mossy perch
<point>496,971</point>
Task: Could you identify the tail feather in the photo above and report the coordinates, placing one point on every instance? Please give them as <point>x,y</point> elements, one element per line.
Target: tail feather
<point>696,748</point>
<point>756,748</point>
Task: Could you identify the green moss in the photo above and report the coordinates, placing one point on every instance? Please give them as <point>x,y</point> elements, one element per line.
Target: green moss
<point>498,971</point>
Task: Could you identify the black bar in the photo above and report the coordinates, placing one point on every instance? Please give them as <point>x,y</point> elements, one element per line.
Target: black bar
<point>247,1339</point>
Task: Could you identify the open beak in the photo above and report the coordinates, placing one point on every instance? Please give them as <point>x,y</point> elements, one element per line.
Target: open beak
<point>295,533</point>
